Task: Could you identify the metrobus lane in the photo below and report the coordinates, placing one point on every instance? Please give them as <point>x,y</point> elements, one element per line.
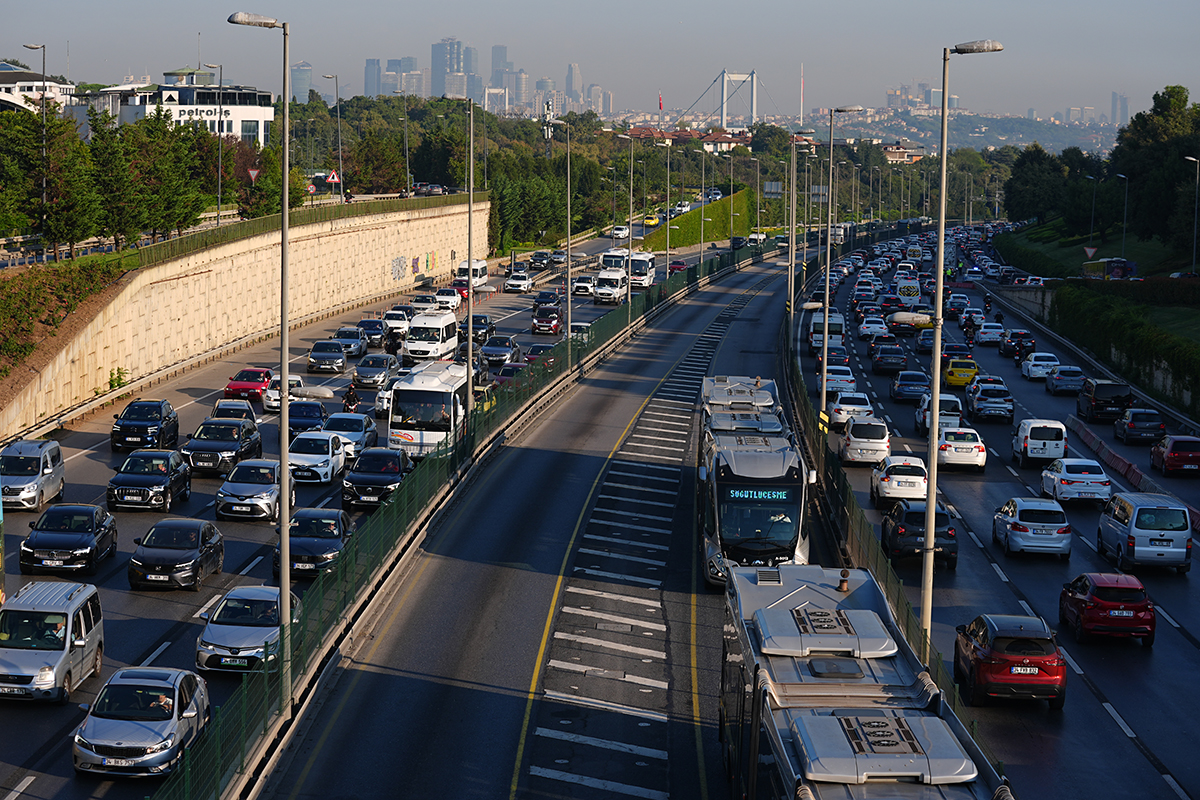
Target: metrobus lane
<point>467,640</point>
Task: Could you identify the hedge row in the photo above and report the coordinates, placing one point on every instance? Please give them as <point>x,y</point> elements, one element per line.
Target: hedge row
<point>1030,261</point>
<point>1152,291</point>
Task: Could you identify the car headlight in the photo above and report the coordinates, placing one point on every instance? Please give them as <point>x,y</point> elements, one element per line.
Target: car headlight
<point>347,485</point>
<point>82,551</point>
<point>227,453</point>
<point>158,489</point>
<point>116,428</point>
<point>265,495</point>
<point>165,744</point>
<point>133,562</point>
<point>44,677</point>
<point>327,557</point>
<point>391,487</point>
<point>203,645</point>
<point>152,431</point>
<point>25,548</point>
<point>27,489</point>
<point>221,495</point>
<point>323,464</point>
<point>82,742</point>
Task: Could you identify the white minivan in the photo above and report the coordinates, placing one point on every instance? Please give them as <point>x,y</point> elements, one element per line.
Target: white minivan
<point>477,271</point>
<point>1042,439</point>
<point>433,336</point>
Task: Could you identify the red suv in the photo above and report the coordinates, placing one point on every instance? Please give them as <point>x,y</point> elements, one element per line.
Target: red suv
<point>1176,453</point>
<point>1107,604</point>
<point>998,655</point>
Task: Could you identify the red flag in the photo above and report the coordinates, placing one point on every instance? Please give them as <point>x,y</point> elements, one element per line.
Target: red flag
<point>660,101</point>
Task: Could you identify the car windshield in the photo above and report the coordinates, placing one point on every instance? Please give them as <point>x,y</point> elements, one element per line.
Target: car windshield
<point>168,536</point>
<point>1182,446</point>
<point>32,630</point>
<point>146,411</point>
<point>19,465</point>
<point>326,347</point>
<point>1119,594</point>
<point>374,361</point>
<point>1161,519</point>
<point>608,283</point>
<point>314,528</point>
<point>310,445</point>
<point>345,424</point>
<point>377,462</point>
<point>252,473</point>
<point>420,409</point>
<point>994,394</point>
<point>371,324</point>
<point>1046,516</point>
<point>743,522</point>
<point>499,342</point>
<point>425,334</point>
<point>916,519</point>
<point>853,400</point>
<point>1069,372</point>
<point>64,519</point>
<point>246,376</point>
<point>1046,434</point>
<point>306,410</point>
<point>1023,647</point>
<point>133,702</point>
<point>1146,416</point>
<point>349,333</point>
<point>144,465</point>
<point>247,612</point>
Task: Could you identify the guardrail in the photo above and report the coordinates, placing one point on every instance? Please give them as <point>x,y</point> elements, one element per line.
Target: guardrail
<point>244,734</point>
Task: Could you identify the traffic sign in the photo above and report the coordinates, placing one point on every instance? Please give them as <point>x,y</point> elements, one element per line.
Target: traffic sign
<point>333,177</point>
<point>253,174</point>
<point>312,189</point>
<point>1090,251</point>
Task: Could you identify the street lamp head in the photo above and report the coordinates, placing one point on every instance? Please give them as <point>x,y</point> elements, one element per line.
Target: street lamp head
<point>978,46</point>
<point>623,136</point>
<point>254,20</point>
<point>1090,177</point>
<point>805,131</point>
<point>559,122</point>
<point>213,66</point>
<point>1122,177</point>
<point>34,46</point>
<point>1185,158</point>
<point>331,77</point>
<point>847,109</point>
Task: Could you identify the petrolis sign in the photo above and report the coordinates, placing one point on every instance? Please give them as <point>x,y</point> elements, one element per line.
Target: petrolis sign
<point>187,112</point>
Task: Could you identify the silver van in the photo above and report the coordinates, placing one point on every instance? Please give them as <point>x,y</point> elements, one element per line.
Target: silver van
<point>32,474</point>
<point>1141,528</point>
<point>1041,439</point>
<point>51,640</point>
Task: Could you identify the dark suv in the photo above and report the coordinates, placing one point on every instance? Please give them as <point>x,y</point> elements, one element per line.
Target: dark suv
<point>1101,399</point>
<point>1014,337</point>
<point>145,423</point>
<point>903,533</point>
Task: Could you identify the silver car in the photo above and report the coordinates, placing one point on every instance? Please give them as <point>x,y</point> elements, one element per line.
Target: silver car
<point>357,431</point>
<point>501,350</point>
<point>1032,524</point>
<point>374,371</point>
<point>243,631</point>
<point>252,491</point>
<point>142,721</point>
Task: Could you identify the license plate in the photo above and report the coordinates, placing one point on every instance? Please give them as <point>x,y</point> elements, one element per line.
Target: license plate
<point>1154,542</point>
<point>1191,466</point>
<point>116,762</point>
<point>205,462</point>
<point>1024,670</point>
<point>52,562</point>
<point>133,438</point>
<point>366,498</point>
<point>11,690</point>
<point>244,509</point>
<point>905,483</point>
<point>130,496</point>
<point>157,577</point>
<point>962,449</point>
<point>245,394</point>
<point>304,566</point>
<point>1120,613</point>
<point>234,662</point>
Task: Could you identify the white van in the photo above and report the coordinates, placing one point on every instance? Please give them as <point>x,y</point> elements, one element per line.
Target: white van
<point>641,269</point>
<point>909,291</point>
<point>51,640</point>
<point>816,331</point>
<point>611,287</point>
<point>1043,439</point>
<point>433,336</point>
<point>477,271</point>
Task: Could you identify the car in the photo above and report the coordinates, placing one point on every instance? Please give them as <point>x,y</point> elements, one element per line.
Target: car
<point>989,333</point>
<point>373,476</point>
<point>146,423</point>
<point>558,256</point>
<point>620,232</point>
<point>902,323</point>
<point>69,537</point>
<point>316,457</point>
<point>1175,453</point>
<point>955,306</point>
<point>424,303</point>
<point>248,383</point>
<point>955,351</point>
<point>547,319</point>
<point>737,242</point>
<point>1146,529</point>
<point>501,350</point>
<point>683,206</point>
<point>219,444</point>
<point>316,537</point>
<point>650,220</point>
<point>397,320</point>
<point>1076,479</point>
<point>305,415</point>
<point>1032,524</point>
<point>233,409</point>
<point>374,371</point>
<point>583,284</point>
<point>961,447</point>
<point>461,286</point>
<point>846,405</point>
<point>988,401</point>
<point>482,328</point>
<point>251,491</point>
<point>326,356</point>
<point>1038,365</point>
<point>839,379</point>
<point>581,333</point>
<point>1009,656</point>
<point>879,340</point>
<point>958,372</point>
<point>866,440</point>
<point>677,266</point>
<point>898,477</point>
<point>902,533</point>
<point>434,190</point>
<point>375,329</point>
<point>353,340</point>
<point>537,352</point>
<point>142,721</point>
<point>32,472</point>
<point>949,413</point>
<point>1107,604</point>
<point>176,553</point>
<point>838,356</point>
<point>152,479</point>
<point>1064,379</point>
<point>357,431</point>
<point>908,386</point>
<point>891,303</point>
<point>871,326</point>
<point>271,395</point>
<point>510,374</point>
<point>974,315</point>
<point>547,298</point>
<point>925,341</point>
<point>1043,439</point>
<point>243,630</point>
<point>1014,338</point>
<point>1103,399</point>
<point>540,260</point>
<point>1139,425</point>
<point>714,195</point>
<point>888,358</point>
<point>518,282</point>
<point>448,298</point>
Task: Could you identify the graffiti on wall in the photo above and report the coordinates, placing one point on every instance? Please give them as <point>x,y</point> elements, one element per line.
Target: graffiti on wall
<point>427,262</point>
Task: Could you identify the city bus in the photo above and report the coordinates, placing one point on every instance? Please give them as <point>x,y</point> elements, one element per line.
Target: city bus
<point>428,406</point>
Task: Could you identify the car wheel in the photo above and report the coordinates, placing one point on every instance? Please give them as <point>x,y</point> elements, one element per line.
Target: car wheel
<point>1058,701</point>
<point>1123,563</point>
<point>65,697</point>
<point>199,579</point>
<point>112,548</point>
<point>98,661</point>
<point>41,503</point>
<point>952,563</point>
<point>186,494</point>
<point>874,499</point>
<point>1008,551</point>
<point>1023,460</point>
<point>167,500</point>
<point>975,694</point>
<point>90,567</point>
<point>62,487</point>
<point>220,566</point>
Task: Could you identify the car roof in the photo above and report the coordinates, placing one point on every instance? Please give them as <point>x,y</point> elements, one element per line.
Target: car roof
<point>1114,579</point>
<point>226,421</point>
<point>180,523</point>
<point>314,435</point>
<point>257,592</point>
<point>27,447</point>
<point>167,677</point>
<point>349,414</point>
<point>1037,502</point>
<point>1013,625</point>
<point>891,461</point>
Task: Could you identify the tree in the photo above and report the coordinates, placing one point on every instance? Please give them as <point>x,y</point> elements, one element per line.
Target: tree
<point>19,156</point>
<point>122,213</point>
<point>377,164</point>
<point>72,203</point>
<point>1036,186</point>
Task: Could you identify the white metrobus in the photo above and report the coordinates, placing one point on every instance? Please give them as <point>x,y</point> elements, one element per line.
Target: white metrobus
<point>428,406</point>
<point>614,259</point>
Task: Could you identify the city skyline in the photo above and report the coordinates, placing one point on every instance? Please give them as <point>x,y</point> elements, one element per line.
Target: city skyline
<point>1063,61</point>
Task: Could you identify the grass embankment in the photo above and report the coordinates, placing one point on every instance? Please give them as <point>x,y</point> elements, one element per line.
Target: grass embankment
<point>716,224</point>
<point>1047,250</point>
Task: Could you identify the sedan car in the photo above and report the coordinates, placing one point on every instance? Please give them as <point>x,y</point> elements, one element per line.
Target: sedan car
<point>500,350</point>
<point>424,303</point>
<point>316,456</point>
<point>519,282</point>
<point>357,431</point>
<point>249,383</point>
<point>537,352</point>
<point>1009,656</point>
<point>547,319</point>
<point>872,326</point>
<point>958,372</point>
<point>839,379</point>
<point>234,408</point>
<point>846,405</point>
<point>145,423</point>
<point>961,447</point>
<point>1139,425</point>
<point>989,333</point>
<point>305,415</point>
<point>375,329</point>
<point>326,356</point>
<point>677,266</point>
<point>1064,379</point>
<point>620,232</point>
<point>1038,365</point>
<point>374,475</point>
<point>152,479</point>
<point>888,358</point>
<point>952,351</point>
<point>1174,453</point>
<point>897,478</point>
<point>69,537</point>
<point>141,722</point>
<point>482,328</point>
<point>908,386</point>
<point>1032,524</point>
<point>583,284</point>
<point>510,374</point>
<point>1107,604</point>
<point>1076,479</point>
<point>316,537</point>
<point>252,491</point>
<point>352,339</point>
<point>925,341</point>
<point>176,554</point>
<point>879,340</point>
<point>375,370</point>
<point>547,298</point>
<point>448,298</point>
<point>902,533</point>
<point>243,630</point>
<point>218,444</point>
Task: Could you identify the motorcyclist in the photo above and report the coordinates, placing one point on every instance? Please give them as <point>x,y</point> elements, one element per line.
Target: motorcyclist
<point>350,400</point>
<point>999,318</point>
<point>987,303</point>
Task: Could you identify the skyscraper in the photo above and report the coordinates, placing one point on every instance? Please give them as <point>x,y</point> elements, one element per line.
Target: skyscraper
<point>1116,108</point>
<point>500,65</point>
<point>1124,110</point>
<point>471,60</point>
<point>447,57</point>
<point>408,64</point>
<point>394,65</point>
<point>371,77</point>
<point>574,83</point>
<point>522,90</point>
<point>301,81</point>
<point>544,85</point>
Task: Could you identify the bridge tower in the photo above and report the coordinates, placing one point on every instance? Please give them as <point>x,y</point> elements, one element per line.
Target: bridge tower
<point>725,78</point>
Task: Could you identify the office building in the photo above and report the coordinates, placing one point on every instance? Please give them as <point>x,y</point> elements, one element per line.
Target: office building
<point>447,58</point>
<point>389,83</point>
<point>371,76</point>
<point>393,65</point>
<point>413,83</point>
<point>1031,114</point>
<point>471,60</point>
<point>454,84</point>
<point>301,81</point>
<point>408,64</point>
<point>544,85</point>
<point>500,65</point>
<point>22,88</point>
<point>475,87</point>
<point>521,89</point>
<point>1124,110</point>
<point>574,83</point>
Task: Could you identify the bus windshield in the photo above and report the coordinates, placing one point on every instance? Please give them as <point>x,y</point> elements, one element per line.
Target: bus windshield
<point>421,410</point>
<point>766,515</point>
<point>425,334</point>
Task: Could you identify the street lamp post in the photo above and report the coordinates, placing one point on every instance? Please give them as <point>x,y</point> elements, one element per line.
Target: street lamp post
<point>667,207</point>
<point>629,249</point>
<point>1124,220</point>
<point>757,197</point>
<point>982,46</point>
<point>703,210</point>
<point>641,161</point>
<point>407,171</point>
<point>284,514</point>
<point>220,132</point>
<point>1195,207</point>
<point>1092,224</point>
<point>570,340</point>
<point>45,155</point>
<point>730,155</point>
<point>337,96</point>
<point>828,261</point>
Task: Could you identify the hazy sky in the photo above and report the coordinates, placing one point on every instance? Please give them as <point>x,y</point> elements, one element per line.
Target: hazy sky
<point>1057,54</point>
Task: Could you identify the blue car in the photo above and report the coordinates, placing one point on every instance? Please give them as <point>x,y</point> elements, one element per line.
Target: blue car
<point>908,386</point>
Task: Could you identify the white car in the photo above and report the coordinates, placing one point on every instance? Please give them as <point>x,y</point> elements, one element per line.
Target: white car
<point>424,303</point>
<point>871,326</point>
<point>519,282</point>
<point>398,321</point>
<point>1038,365</point>
<point>448,298</point>
<point>961,447</point>
<point>974,274</point>
<point>583,284</point>
<point>866,440</point>
<point>620,232</point>
<point>271,399</point>
<point>898,478</point>
<point>989,333</point>
<point>839,379</point>
<point>971,313</point>
<point>846,405</point>
<point>317,456</point>
<point>1076,479</point>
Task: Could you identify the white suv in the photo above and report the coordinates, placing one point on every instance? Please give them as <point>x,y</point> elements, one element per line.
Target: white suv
<point>899,478</point>
<point>867,440</point>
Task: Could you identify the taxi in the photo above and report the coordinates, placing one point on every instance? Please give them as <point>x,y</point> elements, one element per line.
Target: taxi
<point>959,372</point>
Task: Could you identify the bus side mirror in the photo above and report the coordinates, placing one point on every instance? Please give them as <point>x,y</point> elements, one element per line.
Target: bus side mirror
<point>702,473</point>
<point>812,476</point>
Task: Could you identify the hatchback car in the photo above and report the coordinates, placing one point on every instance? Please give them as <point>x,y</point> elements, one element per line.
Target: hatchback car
<point>989,402</point>
<point>176,554</point>
<point>1014,338</point>
<point>69,537</point>
<point>677,266</point>
<point>872,326</point>
<point>218,444</point>
<point>152,479</point>
<point>243,630</point>
<point>305,415</point>
<point>547,319</point>
<point>837,356</point>
<point>141,722</point>
<point>375,370</point>
<point>989,333</point>
<point>1076,479</point>
<point>902,533</point>
<point>252,491</point>
<point>908,386</point>
<point>512,374</point>
<point>951,352</point>
<point>958,372</point>
<point>537,352</point>
<point>357,431</point>
<point>326,356</point>
<point>866,440</point>
<point>1139,425</point>
<point>898,478</point>
<point>546,298</point>
<point>840,379</point>
<point>1009,656</point>
<point>145,423</point>
<point>846,405</point>
<point>1064,379</point>
<point>353,340</point>
<point>316,537</point>
<point>316,457</point>
<point>1038,365</point>
<point>1174,454</point>
<point>373,476</point>
<point>1033,525</point>
<point>500,350</point>
<point>925,341</point>
<point>888,359</point>
<point>620,232</point>
<point>1107,604</point>
<point>249,383</point>
<point>961,447</point>
<point>879,340</point>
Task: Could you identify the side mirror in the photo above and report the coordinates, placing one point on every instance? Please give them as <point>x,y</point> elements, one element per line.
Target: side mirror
<point>137,542</point>
<point>116,416</point>
<point>32,523</point>
<point>258,420</point>
<point>84,706</point>
<point>204,615</point>
<point>961,628</point>
<point>812,476</point>
<point>701,473</point>
<point>48,470</point>
<point>189,714</point>
<point>80,642</point>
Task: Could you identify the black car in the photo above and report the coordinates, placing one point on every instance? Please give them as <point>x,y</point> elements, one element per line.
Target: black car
<point>1139,425</point>
<point>546,298</point>
<point>539,260</point>
<point>888,358</point>
<point>925,341</point>
<point>908,386</point>
<point>374,475</point>
<point>838,357</point>
<point>305,415</point>
<point>737,242</point>
<point>176,554</point>
<point>903,533</point>
<point>375,329</point>
<point>1103,399</point>
<point>891,303</point>
<point>219,444</point>
<point>326,356</point>
<point>233,408</point>
<point>152,479</point>
<point>952,351</point>
<point>316,537</point>
<point>1014,337</point>
<point>482,328</point>
<point>70,537</point>
<point>145,423</point>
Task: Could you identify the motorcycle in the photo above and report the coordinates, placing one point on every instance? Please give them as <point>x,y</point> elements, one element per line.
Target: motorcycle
<point>350,406</point>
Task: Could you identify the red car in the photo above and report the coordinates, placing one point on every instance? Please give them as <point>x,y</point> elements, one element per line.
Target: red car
<point>1176,454</point>
<point>676,266</point>
<point>547,319</point>
<point>462,286</point>
<point>1000,655</point>
<point>249,383</point>
<point>537,352</point>
<point>1107,604</point>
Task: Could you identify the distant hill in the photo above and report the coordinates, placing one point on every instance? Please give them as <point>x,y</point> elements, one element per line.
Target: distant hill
<point>980,132</point>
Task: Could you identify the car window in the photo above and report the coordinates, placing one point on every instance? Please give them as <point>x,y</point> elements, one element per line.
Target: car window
<point>1045,516</point>
<point>1119,594</point>
<point>1161,519</point>
<point>906,469</point>
<point>1185,446</point>
<point>961,436</point>
<point>1084,469</point>
<point>868,430</point>
<point>1046,434</point>
<point>1024,647</point>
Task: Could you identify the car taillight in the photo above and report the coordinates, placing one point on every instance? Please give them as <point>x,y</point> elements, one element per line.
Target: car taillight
<point>943,447</point>
<point>1162,426</point>
<point>1019,528</point>
<point>980,448</point>
<point>837,411</point>
<point>1129,425</point>
<point>1130,541</point>
<point>1106,483</point>
<point>1065,529</point>
<point>884,479</point>
<point>951,532</point>
<point>901,529</point>
<point>1066,482</point>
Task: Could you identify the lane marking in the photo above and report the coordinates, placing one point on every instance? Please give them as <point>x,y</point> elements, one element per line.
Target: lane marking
<point>641,623</point>
<point>620,498</point>
<point>251,565</point>
<point>633,514</point>
<point>641,488</point>
<point>975,539</point>
<point>206,606</point>
<point>617,675</point>
<point>1167,617</point>
<point>999,572</point>
<point>627,598</point>
<point>1027,608</point>
<point>596,783</point>
<point>158,651</point>
<point>604,744</point>
<point>621,557</point>
<point>628,542</point>
<point>1078,670</point>
<point>23,785</point>
<point>607,645</point>
<point>1112,712</point>
<point>599,573</point>
<point>1011,470</point>
<point>1174,784</point>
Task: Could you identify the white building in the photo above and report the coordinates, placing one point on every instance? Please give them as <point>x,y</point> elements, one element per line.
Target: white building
<point>21,88</point>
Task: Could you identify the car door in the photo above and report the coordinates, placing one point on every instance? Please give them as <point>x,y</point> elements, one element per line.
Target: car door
<point>180,476</point>
<point>1077,593</point>
<point>1050,476</point>
<point>170,425</point>
<point>252,440</point>
<point>370,433</point>
<point>337,457</point>
<point>186,701</point>
<point>79,657</point>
